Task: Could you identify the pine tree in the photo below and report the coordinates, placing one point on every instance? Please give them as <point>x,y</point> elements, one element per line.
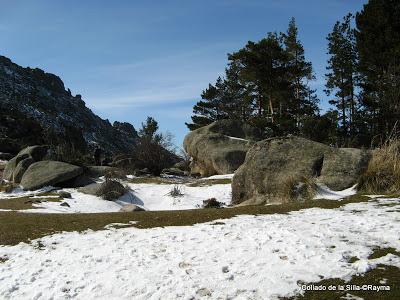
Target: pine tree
<point>342,66</point>
<point>262,72</point>
<point>209,109</point>
<point>299,72</point>
<point>378,44</point>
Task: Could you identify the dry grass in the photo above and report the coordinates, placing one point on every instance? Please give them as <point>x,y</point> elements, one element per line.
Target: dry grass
<point>24,202</point>
<point>22,227</point>
<point>208,182</point>
<point>298,188</point>
<point>383,172</point>
<point>152,180</point>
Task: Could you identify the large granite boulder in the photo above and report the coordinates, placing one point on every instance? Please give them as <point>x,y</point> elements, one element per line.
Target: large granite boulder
<point>219,148</point>
<point>28,155</point>
<point>20,169</point>
<point>48,173</point>
<point>271,163</point>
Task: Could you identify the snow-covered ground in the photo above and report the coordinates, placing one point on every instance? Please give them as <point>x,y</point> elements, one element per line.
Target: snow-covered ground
<point>247,257</point>
<point>150,196</point>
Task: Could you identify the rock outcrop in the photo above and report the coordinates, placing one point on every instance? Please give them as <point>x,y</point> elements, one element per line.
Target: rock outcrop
<point>219,148</point>
<point>35,108</point>
<point>48,173</point>
<point>271,163</point>
<point>17,166</point>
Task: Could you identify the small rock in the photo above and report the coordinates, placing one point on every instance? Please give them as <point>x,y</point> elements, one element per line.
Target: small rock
<point>65,204</point>
<point>64,194</point>
<point>225,269</point>
<point>131,208</point>
<point>204,292</point>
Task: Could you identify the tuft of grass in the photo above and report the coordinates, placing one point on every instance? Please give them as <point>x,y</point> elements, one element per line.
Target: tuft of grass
<point>383,171</point>
<point>23,227</point>
<point>176,191</point>
<point>353,259</point>
<point>298,188</point>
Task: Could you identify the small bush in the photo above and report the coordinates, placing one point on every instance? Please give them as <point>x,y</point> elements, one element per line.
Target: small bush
<point>111,190</point>
<point>383,172</point>
<point>299,188</point>
<point>176,192</point>
<point>212,203</point>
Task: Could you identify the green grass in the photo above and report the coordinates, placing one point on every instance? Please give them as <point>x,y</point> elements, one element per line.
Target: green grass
<point>21,227</point>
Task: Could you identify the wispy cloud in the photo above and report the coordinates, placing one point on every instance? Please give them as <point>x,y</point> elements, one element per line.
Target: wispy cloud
<point>145,98</point>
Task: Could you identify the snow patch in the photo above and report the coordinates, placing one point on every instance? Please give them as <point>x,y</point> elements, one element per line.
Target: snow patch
<point>246,257</point>
<point>225,176</point>
<point>324,192</point>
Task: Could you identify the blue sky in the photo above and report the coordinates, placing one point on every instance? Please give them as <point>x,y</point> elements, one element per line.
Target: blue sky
<point>131,59</point>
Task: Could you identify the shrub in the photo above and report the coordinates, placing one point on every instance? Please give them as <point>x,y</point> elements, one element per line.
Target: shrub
<point>298,188</point>
<point>383,171</point>
<point>111,190</point>
<point>212,203</point>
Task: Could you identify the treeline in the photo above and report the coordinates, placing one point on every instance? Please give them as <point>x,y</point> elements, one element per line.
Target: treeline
<point>267,83</point>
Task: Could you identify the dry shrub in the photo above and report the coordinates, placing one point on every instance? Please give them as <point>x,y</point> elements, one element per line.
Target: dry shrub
<point>111,190</point>
<point>298,188</point>
<point>212,203</point>
<point>383,172</point>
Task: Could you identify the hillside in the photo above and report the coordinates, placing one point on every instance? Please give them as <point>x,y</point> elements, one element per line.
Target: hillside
<point>36,108</point>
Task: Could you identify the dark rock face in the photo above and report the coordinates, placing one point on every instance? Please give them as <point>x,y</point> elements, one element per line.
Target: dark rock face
<point>271,163</point>
<point>35,108</point>
<point>219,148</point>
<point>48,173</point>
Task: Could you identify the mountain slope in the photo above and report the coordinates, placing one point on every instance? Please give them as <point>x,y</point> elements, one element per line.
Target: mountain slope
<point>36,108</point>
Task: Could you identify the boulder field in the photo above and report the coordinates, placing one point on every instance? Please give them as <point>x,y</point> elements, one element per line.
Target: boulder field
<point>266,169</point>
<point>33,169</point>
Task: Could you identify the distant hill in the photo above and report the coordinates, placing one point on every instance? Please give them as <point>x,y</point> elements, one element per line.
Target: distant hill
<point>35,108</point>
